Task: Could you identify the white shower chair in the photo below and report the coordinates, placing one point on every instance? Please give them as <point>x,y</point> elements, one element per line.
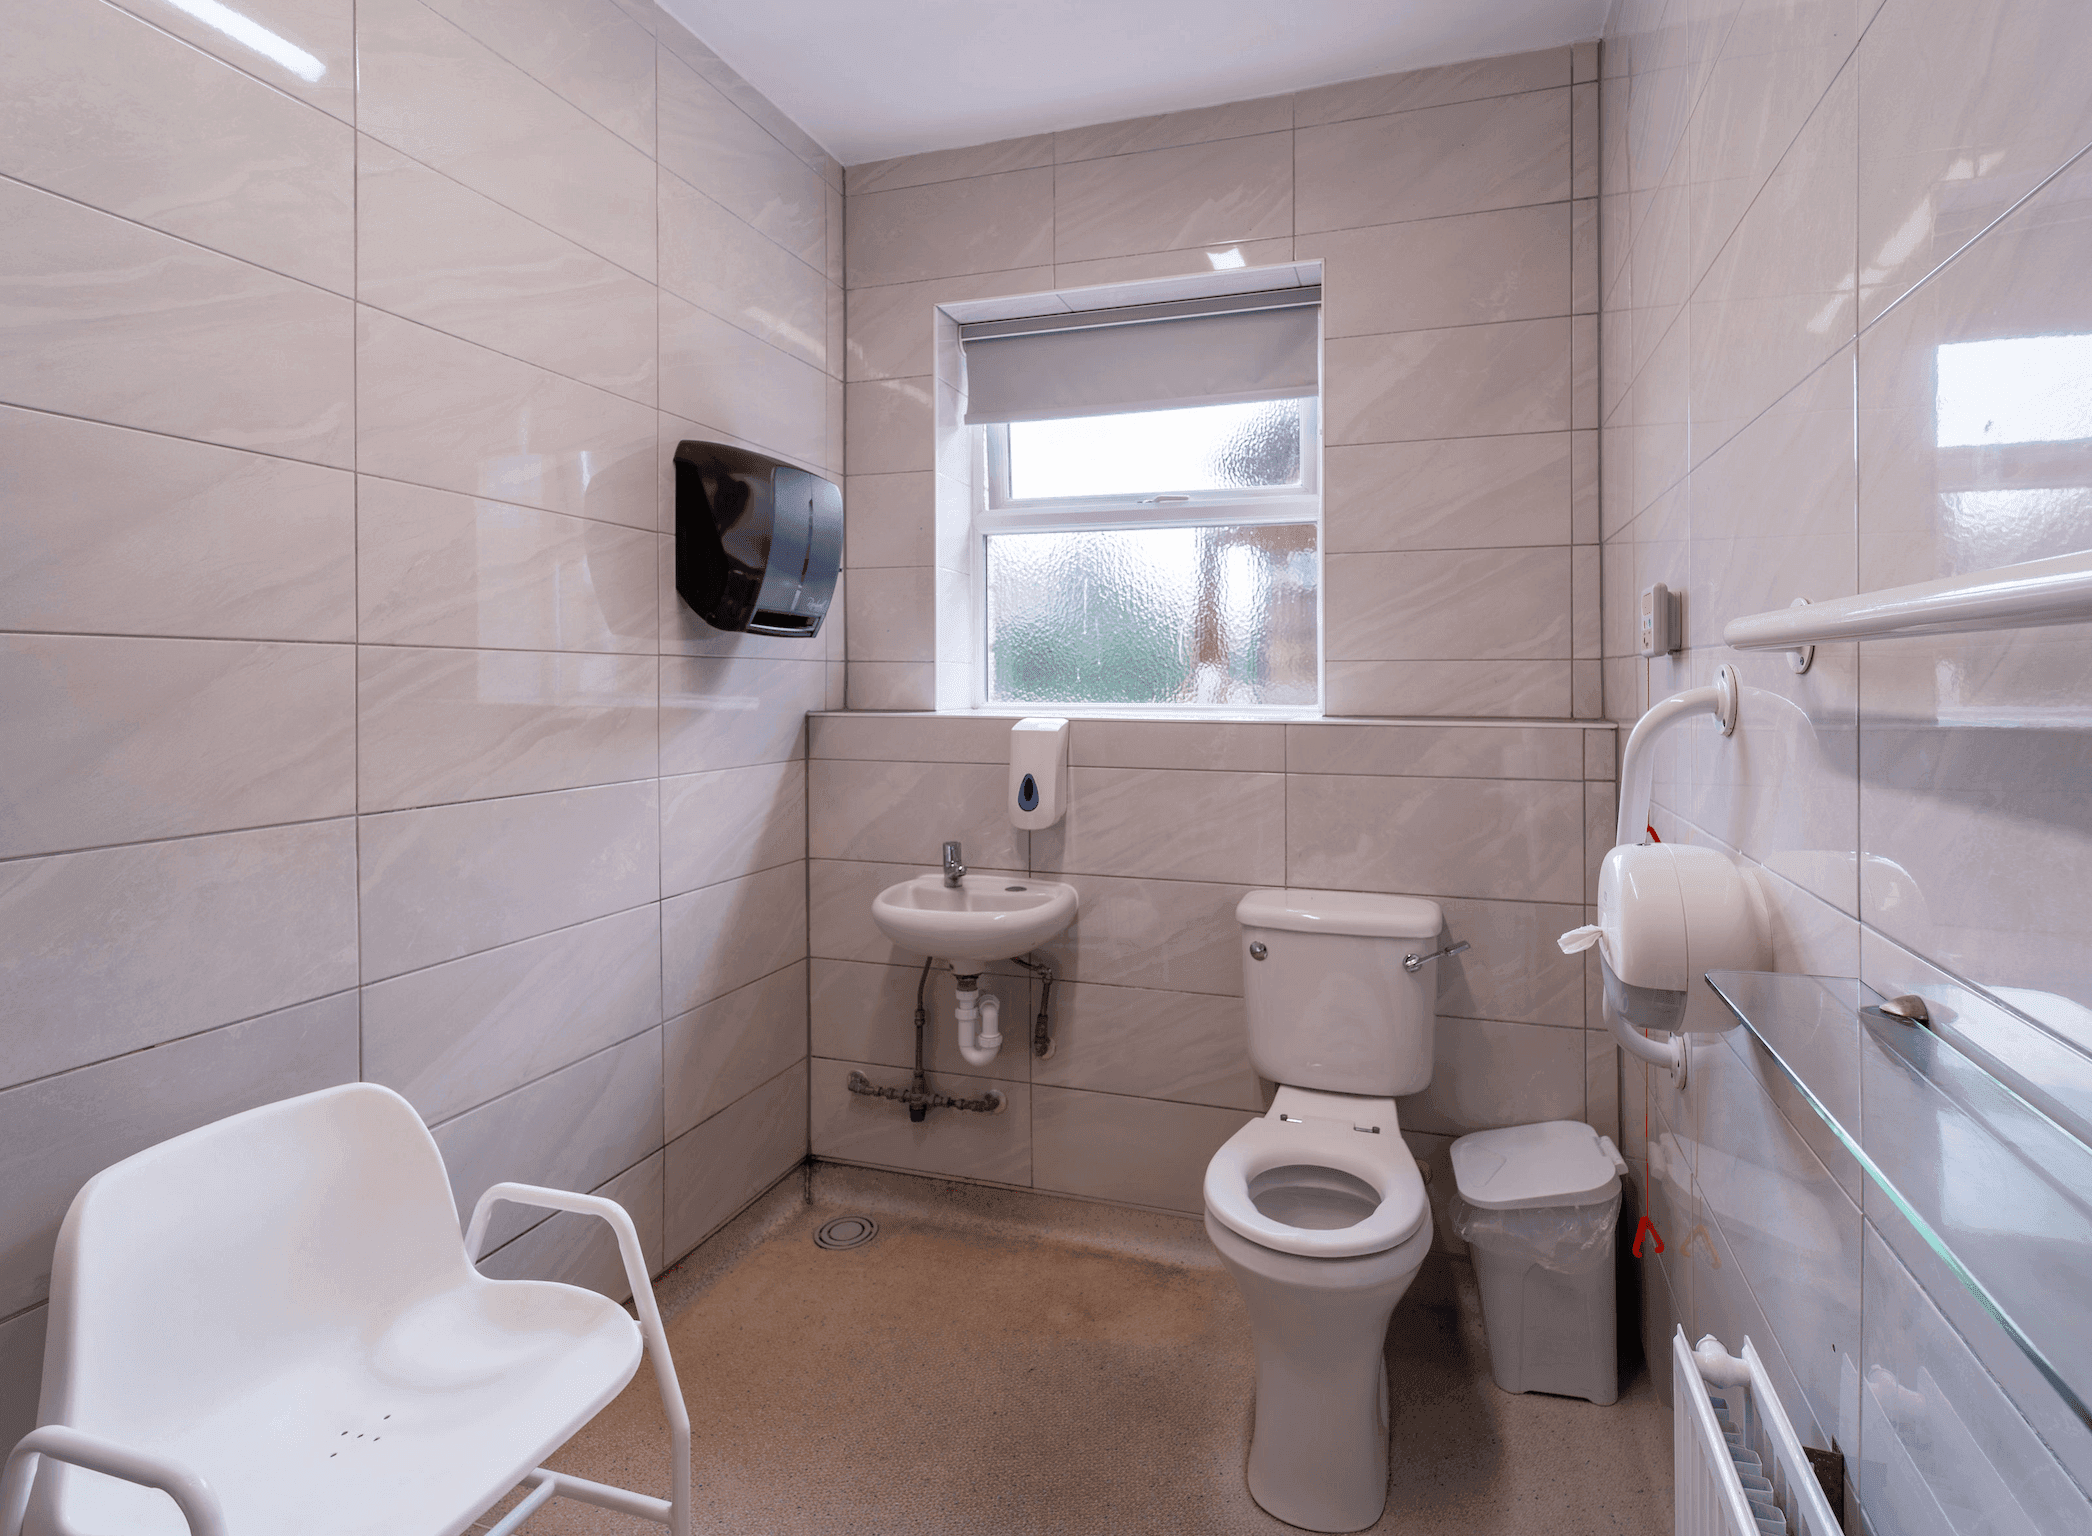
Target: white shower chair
<point>269,1326</point>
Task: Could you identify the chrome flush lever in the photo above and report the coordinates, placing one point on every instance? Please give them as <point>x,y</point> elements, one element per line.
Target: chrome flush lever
<point>1415,963</point>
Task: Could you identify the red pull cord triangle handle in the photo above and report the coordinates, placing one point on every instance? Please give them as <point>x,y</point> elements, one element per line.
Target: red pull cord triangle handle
<point>1645,1231</point>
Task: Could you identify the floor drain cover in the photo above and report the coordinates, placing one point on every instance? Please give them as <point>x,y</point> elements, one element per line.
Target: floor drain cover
<point>847,1232</point>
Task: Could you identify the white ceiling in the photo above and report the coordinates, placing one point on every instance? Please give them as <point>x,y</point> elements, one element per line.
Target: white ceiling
<point>875,78</point>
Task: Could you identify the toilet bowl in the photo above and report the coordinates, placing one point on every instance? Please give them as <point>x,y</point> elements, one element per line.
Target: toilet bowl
<point>1317,1209</point>
<point>1323,1223</point>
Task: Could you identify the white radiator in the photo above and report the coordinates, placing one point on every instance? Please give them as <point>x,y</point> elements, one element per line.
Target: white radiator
<point>1740,1467</point>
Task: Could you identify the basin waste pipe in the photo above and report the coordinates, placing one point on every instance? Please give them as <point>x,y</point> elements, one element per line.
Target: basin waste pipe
<point>979,1016</point>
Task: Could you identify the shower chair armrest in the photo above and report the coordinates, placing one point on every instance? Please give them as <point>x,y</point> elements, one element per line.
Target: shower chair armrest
<point>650,1327</point>
<point>191,1494</point>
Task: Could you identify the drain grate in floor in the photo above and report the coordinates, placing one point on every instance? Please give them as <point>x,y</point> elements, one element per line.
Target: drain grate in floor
<point>847,1232</point>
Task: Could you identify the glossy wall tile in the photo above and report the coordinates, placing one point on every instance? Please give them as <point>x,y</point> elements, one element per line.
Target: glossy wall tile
<point>1169,825</point>
<point>1456,241</point>
<point>242,546</point>
<point>1834,237</point>
<point>355,725</point>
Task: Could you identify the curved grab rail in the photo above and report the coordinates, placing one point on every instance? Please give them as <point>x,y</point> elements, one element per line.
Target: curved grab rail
<point>1637,772</point>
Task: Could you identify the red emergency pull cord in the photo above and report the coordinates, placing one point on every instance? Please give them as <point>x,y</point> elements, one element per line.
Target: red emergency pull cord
<point>1645,1231</point>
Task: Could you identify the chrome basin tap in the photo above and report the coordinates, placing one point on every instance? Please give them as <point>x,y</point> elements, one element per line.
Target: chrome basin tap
<point>954,870</point>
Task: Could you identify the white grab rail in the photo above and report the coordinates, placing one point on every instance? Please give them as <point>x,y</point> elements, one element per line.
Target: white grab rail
<point>1638,767</point>
<point>2038,592</point>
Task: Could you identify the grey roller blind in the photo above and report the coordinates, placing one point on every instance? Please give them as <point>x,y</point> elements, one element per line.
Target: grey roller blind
<point>1253,346</point>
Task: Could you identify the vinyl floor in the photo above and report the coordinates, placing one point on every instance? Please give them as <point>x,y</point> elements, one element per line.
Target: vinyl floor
<point>997,1363</point>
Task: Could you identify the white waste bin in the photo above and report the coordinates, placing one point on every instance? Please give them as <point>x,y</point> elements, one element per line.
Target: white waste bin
<point>1540,1207</point>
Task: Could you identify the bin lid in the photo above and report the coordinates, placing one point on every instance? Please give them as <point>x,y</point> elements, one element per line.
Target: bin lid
<point>1557,1162</point>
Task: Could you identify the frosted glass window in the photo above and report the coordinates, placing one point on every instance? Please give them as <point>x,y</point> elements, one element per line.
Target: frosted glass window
<point>1219,616</point>
<point>1198,448</point>
<point>2016,389</point>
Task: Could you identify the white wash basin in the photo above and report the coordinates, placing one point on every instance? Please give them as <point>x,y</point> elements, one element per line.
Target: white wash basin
<point>987,918</point>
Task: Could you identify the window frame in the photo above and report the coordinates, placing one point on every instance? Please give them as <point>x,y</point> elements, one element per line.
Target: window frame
<point>996,512</point>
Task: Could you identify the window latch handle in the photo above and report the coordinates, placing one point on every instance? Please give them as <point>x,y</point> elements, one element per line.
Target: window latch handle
<point>1153,501</point>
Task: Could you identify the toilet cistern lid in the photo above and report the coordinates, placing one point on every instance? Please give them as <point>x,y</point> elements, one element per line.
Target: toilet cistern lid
<point>1557,1162</point>
<point>1358,914</point>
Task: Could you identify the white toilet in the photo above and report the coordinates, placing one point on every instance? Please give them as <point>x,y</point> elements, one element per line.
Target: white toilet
<point>1318,1209</point>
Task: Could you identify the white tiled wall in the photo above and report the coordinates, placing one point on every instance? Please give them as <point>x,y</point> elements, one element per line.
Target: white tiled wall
<point>1454,213</point>
<point>1168,824</point>
<point>1800,204</point>
<point>353,725</point>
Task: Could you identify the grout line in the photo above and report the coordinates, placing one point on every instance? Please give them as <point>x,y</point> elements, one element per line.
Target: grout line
<point>661,622</point>
<point>528,938</point>
<point>1347,229</point>
<point>386,645</point>
<point>1966,246</point>
<point>509,1093</point>
<point>355,215</point>
<point>536,223</point>
<point>1692,284</point>
<point>516,357</point>
<point>270,640</point>
<point>129,9</point>
<point>925,867</point>
<point>597,1188</point>
<point>784,250</point>
<point>193,244</point>
<point>544,84</point>
<point>194,1034</point>
<point>477,42</point>
<point>179,837</point>
<point>676,58</point>
<point>356,500</point>
<point>519,794</point>
<point>176,437</point>
<point>547,1075</point>
<point>1294,126</point>
<point>34,1306</point>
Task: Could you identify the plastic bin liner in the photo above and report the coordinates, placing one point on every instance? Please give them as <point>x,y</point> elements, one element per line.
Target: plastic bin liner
<point>1565,1238</point>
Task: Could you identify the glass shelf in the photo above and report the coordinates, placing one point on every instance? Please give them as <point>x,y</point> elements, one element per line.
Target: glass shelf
<point>2002,1193</point>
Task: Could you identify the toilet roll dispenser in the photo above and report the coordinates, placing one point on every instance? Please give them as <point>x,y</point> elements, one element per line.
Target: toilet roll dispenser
<point>1668,913</point>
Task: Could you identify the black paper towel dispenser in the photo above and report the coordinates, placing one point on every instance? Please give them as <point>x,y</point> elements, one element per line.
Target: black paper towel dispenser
<point>758,542</point>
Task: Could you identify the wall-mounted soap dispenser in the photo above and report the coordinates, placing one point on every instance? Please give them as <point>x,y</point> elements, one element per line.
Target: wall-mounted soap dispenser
<point>1038,773</point>
<point>758,541</point>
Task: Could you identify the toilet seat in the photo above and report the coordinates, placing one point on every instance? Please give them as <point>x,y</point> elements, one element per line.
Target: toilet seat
<point>1322,1130</point>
